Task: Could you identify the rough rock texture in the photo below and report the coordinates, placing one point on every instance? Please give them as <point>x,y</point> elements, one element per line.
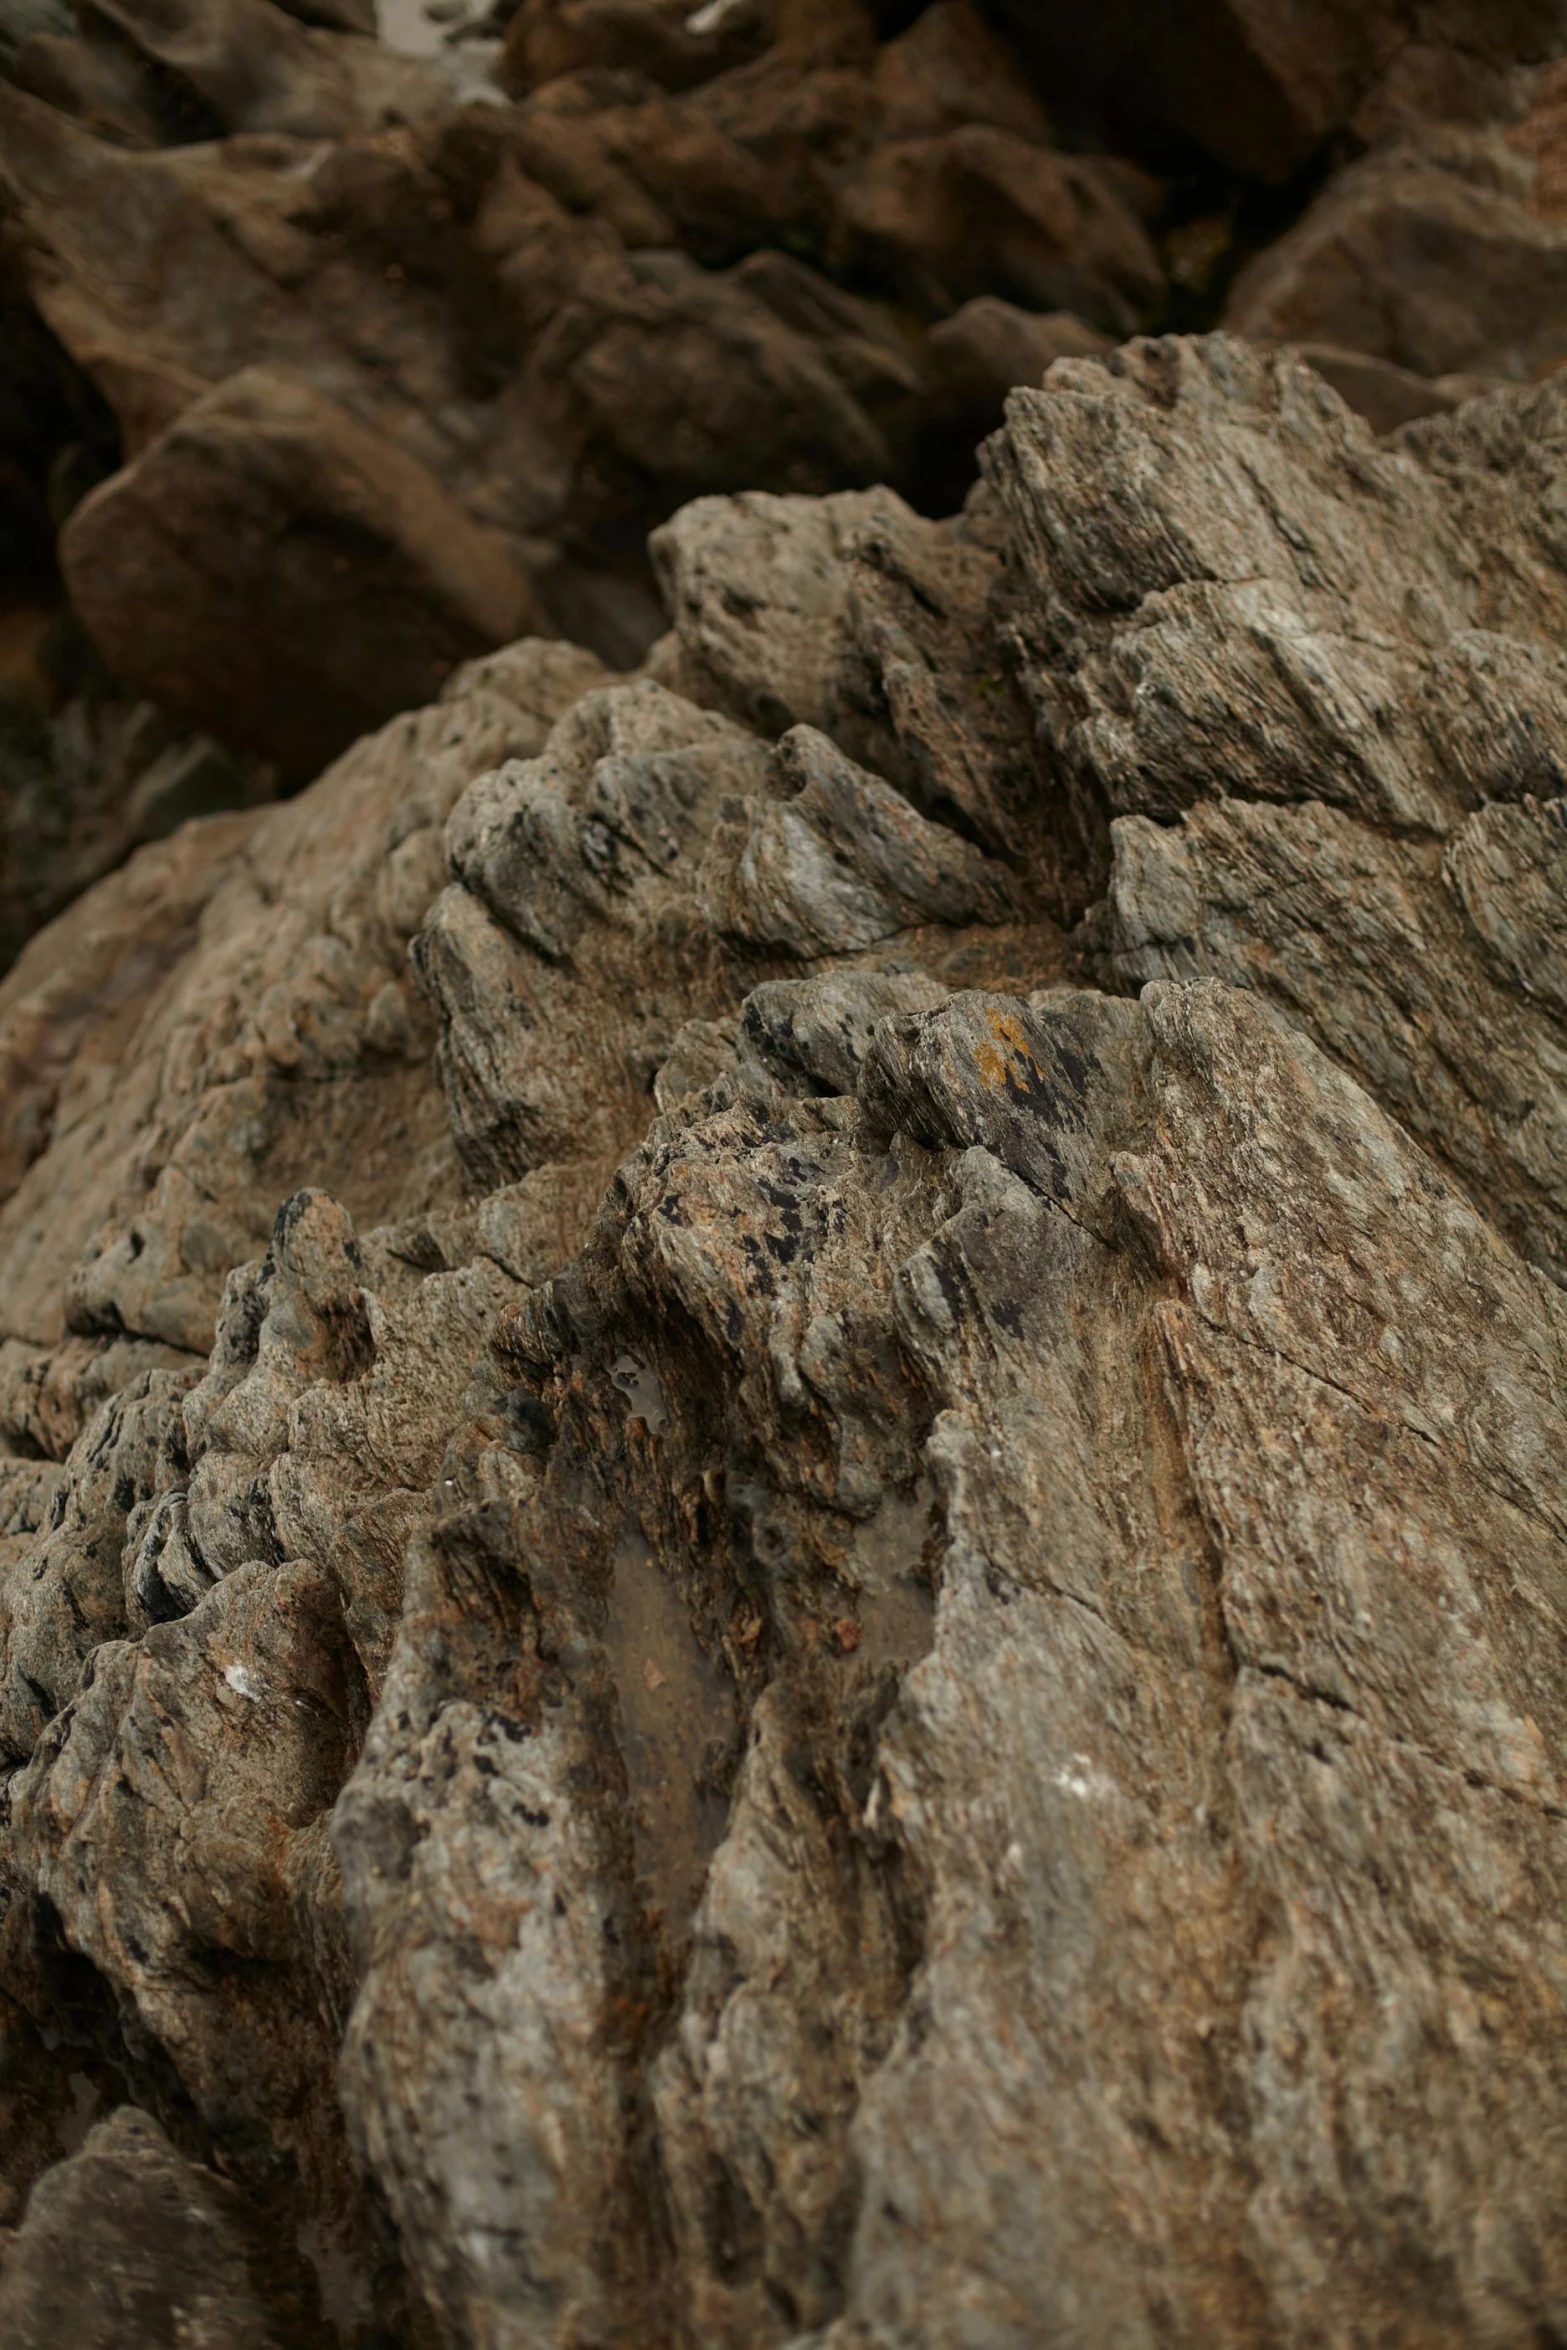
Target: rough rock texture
<point>579,262</point>
<point>180,1046</point>
<point>856,1634</point>
<point>571,314</point>
<point>1344,661</point>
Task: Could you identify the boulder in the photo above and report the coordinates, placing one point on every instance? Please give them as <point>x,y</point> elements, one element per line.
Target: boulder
<point>1386,395</point>
<point>1262,85</point>
<point>129,2246</point>
<point>1430,258</point>
<point>271,570</point>
<point>989,345</point>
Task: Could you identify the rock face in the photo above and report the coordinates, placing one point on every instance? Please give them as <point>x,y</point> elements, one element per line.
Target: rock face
<point>369,379</point>
<point>856,1634</point>
<point>324,366</point>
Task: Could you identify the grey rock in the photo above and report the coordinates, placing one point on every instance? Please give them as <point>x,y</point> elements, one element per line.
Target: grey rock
<point>659,833</point>
<point>1429,974</point>
<point>1074,1737</point>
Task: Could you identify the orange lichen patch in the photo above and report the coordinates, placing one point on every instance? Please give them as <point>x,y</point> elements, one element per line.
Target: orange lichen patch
<point>998,1067</point>
<point>1542,136</point>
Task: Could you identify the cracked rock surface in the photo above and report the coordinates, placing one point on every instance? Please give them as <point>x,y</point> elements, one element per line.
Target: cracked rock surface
<point>783,1553</point>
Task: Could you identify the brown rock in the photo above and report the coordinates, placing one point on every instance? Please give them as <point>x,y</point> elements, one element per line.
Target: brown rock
<point>1541,136</point>
<point>270,567</point>
<point>1262,85</point>
<point>1431,260</point>
<point>1388,396</point>
<point>979,210</point>
<point>990,345</point>
<point>548,38</point>
<point>184,1040</point>
<point>129,2247</point>
<point>176,70</point>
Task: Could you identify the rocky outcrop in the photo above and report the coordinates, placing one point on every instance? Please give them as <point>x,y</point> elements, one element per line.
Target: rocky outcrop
<point>854,1636</point>
<point>523,333</point>
<point>580,262</point>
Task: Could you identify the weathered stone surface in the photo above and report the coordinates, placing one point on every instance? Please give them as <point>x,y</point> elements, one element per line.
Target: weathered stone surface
<point>183,1042</point>
<point>1236,598</point>
<point>660,836</point>
<point>870,1650</point>
<point>1151,1765</point>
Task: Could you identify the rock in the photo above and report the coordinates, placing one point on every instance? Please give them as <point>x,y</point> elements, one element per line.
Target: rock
<point>25,20</point>
<point>339,16</point>
<point>1057,233</point>
<point>1434,262</point>
<point>861,1630</point>
<point>181,1044</point>
<point>1262,86</point>
<point>653,830</point>
<point>240,65</point>
<point>734,1619</point>
<point>1388,396</point>
<point>874,626</point>
<point>266,518</point>
<point>49,2097</point>
<point>1388,952</point>
<point>127,2246</point>
<point>989,345</point>
<point>222,1935</point>
<point>82,786</point>
<point>1541,137</point>
<point>548,38</point>
<point>1289,647</point>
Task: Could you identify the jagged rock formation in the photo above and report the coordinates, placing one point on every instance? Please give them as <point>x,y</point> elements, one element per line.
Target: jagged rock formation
<point>324,366</point>
<point>857,1634</point>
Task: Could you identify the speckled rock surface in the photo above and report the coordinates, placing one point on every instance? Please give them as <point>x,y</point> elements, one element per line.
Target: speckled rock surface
<point>783,1549</point>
